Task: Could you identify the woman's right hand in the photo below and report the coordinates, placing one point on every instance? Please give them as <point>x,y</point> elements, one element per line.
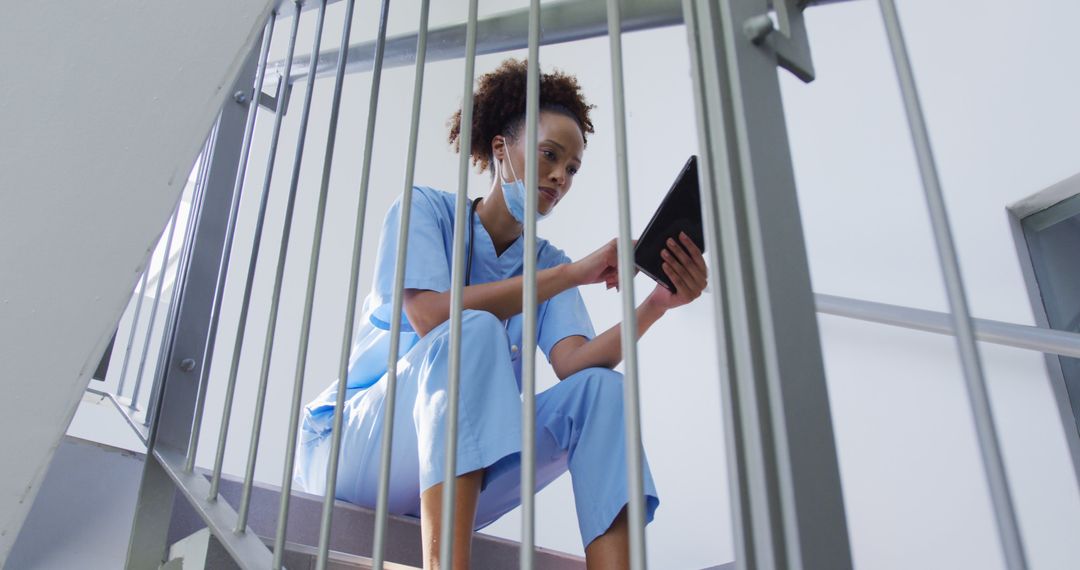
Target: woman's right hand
<point>601,265</point>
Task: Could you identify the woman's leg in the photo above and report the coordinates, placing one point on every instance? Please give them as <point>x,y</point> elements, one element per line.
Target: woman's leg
<point>612,549</point>
<point>584,416</point>
<point>489,425</point>
<point>580,426</point>
<point>467,491</point>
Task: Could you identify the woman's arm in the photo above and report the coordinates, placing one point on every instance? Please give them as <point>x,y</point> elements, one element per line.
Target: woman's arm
<point>575,353</point>
<point>428,309</point>
<point>684,265</point>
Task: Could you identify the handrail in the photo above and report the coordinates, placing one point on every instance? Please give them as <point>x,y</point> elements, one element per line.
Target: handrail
<point>1050,341</point>
<point>561,22</point>
<point>124,409</point>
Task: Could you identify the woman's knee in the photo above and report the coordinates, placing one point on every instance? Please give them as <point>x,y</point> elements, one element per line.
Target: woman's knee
<point>603,383</point>
<point>485,350</point>
<point>480,332</point>
<point>479,319</point>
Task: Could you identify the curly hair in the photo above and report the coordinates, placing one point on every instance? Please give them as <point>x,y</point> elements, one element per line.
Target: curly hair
<point>499,107</point>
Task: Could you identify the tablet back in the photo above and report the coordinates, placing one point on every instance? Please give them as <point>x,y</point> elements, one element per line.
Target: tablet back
<point>680,211</point>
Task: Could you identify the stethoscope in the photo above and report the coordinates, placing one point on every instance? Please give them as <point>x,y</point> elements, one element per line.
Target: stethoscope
<point>468,263</point>
<point>468,260</point>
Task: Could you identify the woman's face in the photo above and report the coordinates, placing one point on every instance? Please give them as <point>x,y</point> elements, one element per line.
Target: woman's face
<point>560,146</point>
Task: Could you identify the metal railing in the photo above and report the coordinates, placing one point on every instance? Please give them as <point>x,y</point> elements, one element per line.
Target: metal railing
<point>787,503</point>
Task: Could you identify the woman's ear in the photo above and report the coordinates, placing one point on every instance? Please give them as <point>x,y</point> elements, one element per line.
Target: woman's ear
<point>498,147</point>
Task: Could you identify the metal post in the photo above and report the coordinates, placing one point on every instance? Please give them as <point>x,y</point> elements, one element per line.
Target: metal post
<point>779,433</point>
<point>697,39</point>
<point>993,462</point>
<point>628,329</point>
<point>260,397</point>
<point>528,304</point>
<point>140,295</point>
<point>457,299</point>
<point>294,415</point>
<point>382,502</point>
<point>185,337</point>
<point>252,102</point>
<point>153,511</point>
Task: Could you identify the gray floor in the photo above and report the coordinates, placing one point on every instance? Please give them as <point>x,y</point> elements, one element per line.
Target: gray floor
<point>82,515</point>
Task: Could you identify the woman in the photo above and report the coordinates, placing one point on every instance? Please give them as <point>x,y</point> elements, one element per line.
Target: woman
<point>579,421</point>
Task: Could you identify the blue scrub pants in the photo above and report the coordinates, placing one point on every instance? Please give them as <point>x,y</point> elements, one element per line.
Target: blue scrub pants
<point>579,426</point>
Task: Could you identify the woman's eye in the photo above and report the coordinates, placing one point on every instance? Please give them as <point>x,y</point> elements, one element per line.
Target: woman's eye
<point>549,155</point>
<point>572,171</point>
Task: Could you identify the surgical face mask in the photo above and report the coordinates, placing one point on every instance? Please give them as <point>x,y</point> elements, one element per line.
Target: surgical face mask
<point>514,194</point>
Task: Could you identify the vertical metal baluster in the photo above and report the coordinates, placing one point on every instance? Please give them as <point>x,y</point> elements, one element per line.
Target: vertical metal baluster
<point>290,450</point>
<point>155,383</point>
<point>153,310</point>
<point>176,292</point>
<point>141,294</point>
<point>223,268</point>
<point>197,193</point>
<point>260,397</point>
<point>528,304</point>
<point>635,478</point>
<point>993,462</point>
<point>457,290</point>
<point>715,265</point>
<point>199,177</point>
<point>328,499</point>
<point>382,502</point>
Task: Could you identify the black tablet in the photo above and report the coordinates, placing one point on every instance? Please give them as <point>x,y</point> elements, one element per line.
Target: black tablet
<point>679,212</point>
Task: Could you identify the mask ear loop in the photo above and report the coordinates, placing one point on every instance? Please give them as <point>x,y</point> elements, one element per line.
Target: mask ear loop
<point>512,173</point>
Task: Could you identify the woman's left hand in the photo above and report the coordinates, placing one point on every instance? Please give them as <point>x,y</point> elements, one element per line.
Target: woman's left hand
<point>685,266</point>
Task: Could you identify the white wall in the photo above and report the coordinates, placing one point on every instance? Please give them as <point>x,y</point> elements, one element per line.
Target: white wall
<point>1000,96</point>
<point>104,107</point>
<point>1000,101</point>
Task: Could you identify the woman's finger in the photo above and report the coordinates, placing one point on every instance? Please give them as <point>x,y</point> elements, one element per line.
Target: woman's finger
<point>680,253</point>
<point>680,284</point>
<point>695,252</point>
<point>699,275</point>
<point>681,268</point>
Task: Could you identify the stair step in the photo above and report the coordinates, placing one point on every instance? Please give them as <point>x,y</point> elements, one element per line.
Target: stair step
<point>352,532</point>
<point>303,557</point>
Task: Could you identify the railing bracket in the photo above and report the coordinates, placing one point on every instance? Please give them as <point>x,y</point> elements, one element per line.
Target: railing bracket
<point>269,102</point>
<point>791,46</point>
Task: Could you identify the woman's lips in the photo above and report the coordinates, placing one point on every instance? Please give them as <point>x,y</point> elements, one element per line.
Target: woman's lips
<point>551,194</point>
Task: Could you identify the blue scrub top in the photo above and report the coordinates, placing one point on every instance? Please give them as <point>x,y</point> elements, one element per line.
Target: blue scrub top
<point>428,264</point>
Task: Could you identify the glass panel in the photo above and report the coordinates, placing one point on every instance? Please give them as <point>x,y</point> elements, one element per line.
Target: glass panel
<point>1053,239</point>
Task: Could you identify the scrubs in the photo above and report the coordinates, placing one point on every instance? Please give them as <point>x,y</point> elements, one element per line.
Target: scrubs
<point>580,424</point>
